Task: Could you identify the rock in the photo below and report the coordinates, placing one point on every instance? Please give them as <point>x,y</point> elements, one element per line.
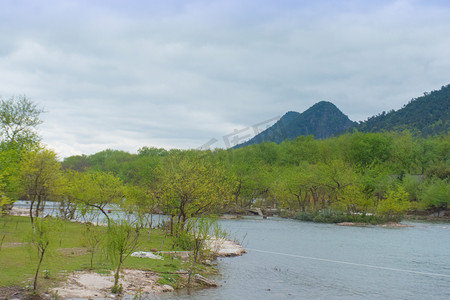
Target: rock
<point>351,224</point>
<point>208,262</point>
<point>167,288</point>
<point>143,254</point>
<point>205,281</point>
<point>223,247</point>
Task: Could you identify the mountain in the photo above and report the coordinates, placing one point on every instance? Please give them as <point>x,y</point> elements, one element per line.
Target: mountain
<point>322,120</point>
<point>427,115</point>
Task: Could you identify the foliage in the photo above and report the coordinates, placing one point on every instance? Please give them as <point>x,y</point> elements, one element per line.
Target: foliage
<point>92,240</point>
<point>42,235</point>
<point>395,204</point>
<point>193,186</point>
<point>202,231</point>
<point>322,120</point>
<point>336,216</point>
<point>95,190</point>
<point>436,194</point>
<point>427,115</point>
<point>351,173</point>
<point>40,178</point>
<point>122,240</point>
<point>19,118</point>
<point>5,202</point>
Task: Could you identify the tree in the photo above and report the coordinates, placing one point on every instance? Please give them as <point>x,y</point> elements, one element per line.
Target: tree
<point>41,178</point>
<point>204,233</point>
<point>293,183</point>
<point>122,240</point>
<point>96,190</point>
<point>436,194</point>
<point>395,203</point>
<point>367,149</point>
<point>192,186</point>
<point>4,200</point>
<point>41,237</point>
<point>93,238</point>
<point>19,118</point>
<point>143,202</point>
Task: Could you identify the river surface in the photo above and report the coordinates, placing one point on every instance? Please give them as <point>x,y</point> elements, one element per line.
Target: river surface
<point>290,259</point>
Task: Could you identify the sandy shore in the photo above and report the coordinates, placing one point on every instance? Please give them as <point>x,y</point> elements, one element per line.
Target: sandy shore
<point>93,285</point>
<point>90,285</point>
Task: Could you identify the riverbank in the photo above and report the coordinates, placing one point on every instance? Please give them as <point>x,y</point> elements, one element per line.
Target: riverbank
<point>385,225</point>
<point>136,282</point>
<point>344,219</point>
<point>66,270</point>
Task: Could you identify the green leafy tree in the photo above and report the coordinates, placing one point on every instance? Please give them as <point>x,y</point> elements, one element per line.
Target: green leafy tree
<point>4,200</point>
<point>192,186</point>
<point>19,118</point>
<point>122,240</point>
<point>41,178</point>
<point>42,236</point>
<point>292,186</point>
<point>395,204</point>
<point>436,194</point>
<point>202,232</point>
<point>352,199</point>
<point>93,239</point>
<point>368,149</point>
<point>143,202</point>
<point>96,190</point>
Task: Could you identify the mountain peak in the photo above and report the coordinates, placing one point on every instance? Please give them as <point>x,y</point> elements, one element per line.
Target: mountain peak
<point>322,120</point>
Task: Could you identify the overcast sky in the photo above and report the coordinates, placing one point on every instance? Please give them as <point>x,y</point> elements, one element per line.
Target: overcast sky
<point>177,74</point>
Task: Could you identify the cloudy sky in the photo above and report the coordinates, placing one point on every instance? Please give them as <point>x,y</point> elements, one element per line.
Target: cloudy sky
<point>179,74</point>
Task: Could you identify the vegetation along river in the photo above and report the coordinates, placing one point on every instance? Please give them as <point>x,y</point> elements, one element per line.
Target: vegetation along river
<point>289,259</point>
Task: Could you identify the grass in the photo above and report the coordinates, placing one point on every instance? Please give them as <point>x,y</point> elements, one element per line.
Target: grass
<point>67,253</point>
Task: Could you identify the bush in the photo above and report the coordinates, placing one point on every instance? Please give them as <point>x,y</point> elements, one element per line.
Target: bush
<point>333,216</point>
<point>304,216</point>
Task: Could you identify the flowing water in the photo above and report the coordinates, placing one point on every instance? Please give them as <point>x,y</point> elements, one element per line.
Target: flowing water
<point>289,259</point>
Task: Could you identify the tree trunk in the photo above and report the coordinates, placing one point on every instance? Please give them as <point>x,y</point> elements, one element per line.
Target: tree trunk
<point>38,206</point>
<point>39,266</point>
<point>31,211</point>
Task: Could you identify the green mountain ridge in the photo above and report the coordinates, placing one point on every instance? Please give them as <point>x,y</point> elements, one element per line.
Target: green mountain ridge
<point>425,116</point>
<point>322,120</point>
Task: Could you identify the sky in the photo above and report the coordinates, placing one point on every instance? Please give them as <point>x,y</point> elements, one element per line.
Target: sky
<point>204,74</point>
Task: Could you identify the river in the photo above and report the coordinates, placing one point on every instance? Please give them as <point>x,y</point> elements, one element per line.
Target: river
<point>288,259</point>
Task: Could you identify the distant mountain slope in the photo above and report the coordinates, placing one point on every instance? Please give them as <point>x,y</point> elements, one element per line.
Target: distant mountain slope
<point>322,120</point>
<point>426,115</point>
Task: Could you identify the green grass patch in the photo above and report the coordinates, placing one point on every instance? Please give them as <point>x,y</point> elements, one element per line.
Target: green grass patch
<point>67,253</point>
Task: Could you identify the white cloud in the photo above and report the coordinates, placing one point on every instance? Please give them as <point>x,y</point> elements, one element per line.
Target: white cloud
<point>126,75</point>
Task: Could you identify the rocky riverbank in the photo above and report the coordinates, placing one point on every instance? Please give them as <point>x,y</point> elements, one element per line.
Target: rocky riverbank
<point>91,285</point>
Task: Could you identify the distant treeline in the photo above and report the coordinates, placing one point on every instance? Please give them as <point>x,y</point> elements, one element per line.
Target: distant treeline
<point>358,173</point>
<point>370,177</point>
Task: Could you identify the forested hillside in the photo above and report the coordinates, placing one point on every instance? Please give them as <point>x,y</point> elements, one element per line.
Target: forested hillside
<point>425,116</point>
<point>322,120</point>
